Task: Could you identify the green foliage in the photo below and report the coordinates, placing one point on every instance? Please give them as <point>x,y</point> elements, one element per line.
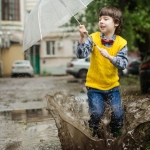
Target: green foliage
<point>46,73</point>
<point>128,31</point>
<point>136,20</point>
<point>90,17</point>
<point>130,80</point>
<point>24,123</point>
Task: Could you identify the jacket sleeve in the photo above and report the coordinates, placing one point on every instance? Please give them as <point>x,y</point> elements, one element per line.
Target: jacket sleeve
<point>84,49</point>
<point>121,59</point>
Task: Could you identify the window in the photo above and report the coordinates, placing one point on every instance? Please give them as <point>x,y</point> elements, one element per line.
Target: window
<point>74,45</point>
<point>11,10</point>
<point>87,59</point>
<point>22,62</point>
<point>50,47</point>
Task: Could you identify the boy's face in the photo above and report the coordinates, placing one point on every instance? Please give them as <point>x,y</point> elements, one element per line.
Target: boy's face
<point>107,25</point>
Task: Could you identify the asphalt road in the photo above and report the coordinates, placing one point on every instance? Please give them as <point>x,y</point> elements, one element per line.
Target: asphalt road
<point>16,92</point>
<point>23,115</point>
<point>21,90</point>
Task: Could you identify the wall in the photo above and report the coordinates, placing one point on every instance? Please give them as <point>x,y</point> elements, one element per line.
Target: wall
<point>30,4</point>
<point>56,64</point>
<point>9,56</point>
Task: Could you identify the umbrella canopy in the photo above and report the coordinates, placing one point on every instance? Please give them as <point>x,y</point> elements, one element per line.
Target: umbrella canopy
<point>47,15</point>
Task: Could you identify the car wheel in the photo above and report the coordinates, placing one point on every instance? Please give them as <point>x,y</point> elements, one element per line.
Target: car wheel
<point>82,73</point>
<point>120,72</point>
<point>29,75</point>
<point>144,87</point>
<point>76,76</point>
<point>12,75</point>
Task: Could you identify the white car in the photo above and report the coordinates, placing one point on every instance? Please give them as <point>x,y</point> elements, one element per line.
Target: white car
<point>79,67</point>
<point>22,67</point>
<point>122,72</point>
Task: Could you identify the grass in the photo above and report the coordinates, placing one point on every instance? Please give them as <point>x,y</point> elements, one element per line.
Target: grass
<point>130,80</point>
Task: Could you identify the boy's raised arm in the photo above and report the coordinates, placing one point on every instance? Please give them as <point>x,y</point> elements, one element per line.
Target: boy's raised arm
<point>83,32</point>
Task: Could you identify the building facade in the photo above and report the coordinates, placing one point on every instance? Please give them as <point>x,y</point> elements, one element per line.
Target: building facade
<point>48,56</point>
<point>56,50</point>
<point>11,26</point>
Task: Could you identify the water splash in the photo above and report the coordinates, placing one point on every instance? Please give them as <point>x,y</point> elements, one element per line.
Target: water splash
<point>71,117</point>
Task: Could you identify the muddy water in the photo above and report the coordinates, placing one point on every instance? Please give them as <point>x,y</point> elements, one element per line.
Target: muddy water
<point>71,116</point>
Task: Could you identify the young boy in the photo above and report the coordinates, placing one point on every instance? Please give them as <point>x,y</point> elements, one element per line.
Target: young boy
<point>102,81</point>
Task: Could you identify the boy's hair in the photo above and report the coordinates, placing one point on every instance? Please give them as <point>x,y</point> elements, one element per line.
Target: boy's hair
<point>114,13</point>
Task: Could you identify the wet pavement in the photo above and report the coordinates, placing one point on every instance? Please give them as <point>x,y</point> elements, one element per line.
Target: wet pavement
<point>23,110</point>
<point>23,114</point>
<point>28,93</point>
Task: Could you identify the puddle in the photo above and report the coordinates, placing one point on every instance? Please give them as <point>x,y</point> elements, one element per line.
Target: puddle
<point>71,117</point>
<point>28,130</point>
<point>64,125</point>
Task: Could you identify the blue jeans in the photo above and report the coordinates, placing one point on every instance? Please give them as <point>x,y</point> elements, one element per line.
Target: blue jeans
<point>97,99</point>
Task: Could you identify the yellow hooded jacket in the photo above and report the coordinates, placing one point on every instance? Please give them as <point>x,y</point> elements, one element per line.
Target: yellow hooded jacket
<point>102,74</point>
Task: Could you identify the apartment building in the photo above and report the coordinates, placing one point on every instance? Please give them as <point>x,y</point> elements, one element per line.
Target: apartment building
<point>12,25</point>
<point>48,56</point>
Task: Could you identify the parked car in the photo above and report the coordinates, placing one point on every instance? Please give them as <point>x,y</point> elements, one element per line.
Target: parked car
<point>22,67</point>
<point>133,67</point>
<point>144,73</point>
<point>79,67</point>
<point>122,72</point>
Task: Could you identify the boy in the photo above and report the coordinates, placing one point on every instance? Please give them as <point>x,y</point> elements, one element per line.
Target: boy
<point>102,81</point>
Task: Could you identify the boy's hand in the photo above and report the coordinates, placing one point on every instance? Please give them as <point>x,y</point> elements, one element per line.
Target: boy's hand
<point>82,31</point>
<point>105,54</point>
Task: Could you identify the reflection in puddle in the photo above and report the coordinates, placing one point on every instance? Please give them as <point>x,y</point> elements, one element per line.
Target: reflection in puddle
<point>28,130</point>
<point>25,115</point>
<point>71,115</point>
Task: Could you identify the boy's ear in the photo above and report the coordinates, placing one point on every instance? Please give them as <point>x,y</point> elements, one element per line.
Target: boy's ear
<point>116,24</point>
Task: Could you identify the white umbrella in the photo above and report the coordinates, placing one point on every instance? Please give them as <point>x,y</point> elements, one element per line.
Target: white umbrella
<point>47,15</point>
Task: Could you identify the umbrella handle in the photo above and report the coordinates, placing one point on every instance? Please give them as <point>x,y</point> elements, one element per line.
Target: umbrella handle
<point>79,22</point>
<point>93,41</point>
<point>88,35</point>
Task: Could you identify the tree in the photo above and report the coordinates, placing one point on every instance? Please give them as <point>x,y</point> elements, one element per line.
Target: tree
<point>136,20</point>
<point>137,25</point>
